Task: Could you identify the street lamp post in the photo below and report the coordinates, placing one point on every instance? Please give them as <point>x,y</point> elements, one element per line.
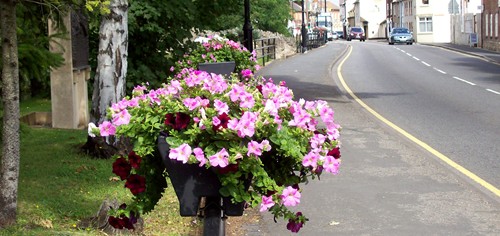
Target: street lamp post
<point>247,28</point>
<point>304,31</point>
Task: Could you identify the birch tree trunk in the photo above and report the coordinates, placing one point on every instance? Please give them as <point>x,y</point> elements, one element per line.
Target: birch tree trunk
<point>110,77</point>
<point>9,169</point>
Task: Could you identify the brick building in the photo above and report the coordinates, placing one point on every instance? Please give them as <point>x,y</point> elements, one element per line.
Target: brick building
<point>490,25</point>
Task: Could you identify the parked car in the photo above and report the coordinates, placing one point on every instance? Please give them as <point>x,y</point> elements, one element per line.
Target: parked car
<point>340,34</point>
<point>356,33</point>
<point>332,35</point>
<point>400,35</point>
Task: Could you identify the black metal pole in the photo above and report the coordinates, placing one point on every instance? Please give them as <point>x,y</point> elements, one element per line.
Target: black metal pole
<point>326,26</point>
<point>304,31</point>
<point>247,28</point>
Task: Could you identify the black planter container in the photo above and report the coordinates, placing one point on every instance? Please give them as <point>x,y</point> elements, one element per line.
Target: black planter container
<point>224,68</point>
<point>192,182</point>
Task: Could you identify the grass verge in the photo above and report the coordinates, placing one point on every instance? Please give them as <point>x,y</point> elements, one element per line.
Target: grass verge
<point>59,186</point>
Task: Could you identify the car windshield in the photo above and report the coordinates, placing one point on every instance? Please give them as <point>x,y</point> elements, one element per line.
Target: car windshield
<point>357,30</point>
<point>400,31</point>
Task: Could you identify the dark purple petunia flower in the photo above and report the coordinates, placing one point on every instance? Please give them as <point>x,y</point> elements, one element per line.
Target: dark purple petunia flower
<point>259,87</point>
<point>224,120</point>
<point>134,159</point>
<point>177,121</point>
<point>136,184</point>
<point>181,121</point>
<point>295,225</point>
<point>335,153</point>
<point>115,222</point>
<point>122,168</point>
<point>170,120</point>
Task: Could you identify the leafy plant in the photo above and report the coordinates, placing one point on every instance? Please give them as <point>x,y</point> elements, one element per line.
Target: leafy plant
<point>252,129</point>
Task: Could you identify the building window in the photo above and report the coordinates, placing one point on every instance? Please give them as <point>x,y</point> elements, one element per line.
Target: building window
<point>496,25</point>
<point>486,26</point>
<point>426,2</point>
<point>425,24</point>
<point>491,25</point>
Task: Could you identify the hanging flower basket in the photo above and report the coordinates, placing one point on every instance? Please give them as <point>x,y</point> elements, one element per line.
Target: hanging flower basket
<point>192,182</point>
<point>222,68</point>
<point>241,137</point>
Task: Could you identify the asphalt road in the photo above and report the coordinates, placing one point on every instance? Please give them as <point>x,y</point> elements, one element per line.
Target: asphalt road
<point>387,184</point>
<point>441,97</point>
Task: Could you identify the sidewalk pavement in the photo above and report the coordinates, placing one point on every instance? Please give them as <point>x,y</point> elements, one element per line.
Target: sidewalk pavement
<point>488,55</point>
<point>386,185</point>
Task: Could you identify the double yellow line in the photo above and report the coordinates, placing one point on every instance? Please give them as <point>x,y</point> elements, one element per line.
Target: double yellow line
<point>433,151</point>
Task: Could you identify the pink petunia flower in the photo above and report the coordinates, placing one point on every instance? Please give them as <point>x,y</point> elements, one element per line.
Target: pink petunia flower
<point>215,121</point>
<point>267,202</point>
<point>220,159</point>
<point>121,118</point>
<point>266,146</point>
<point>236,92</point>
<point>180,153</point>
<point>290,196</point>
<point>311,159</point>
<point>331,165</point>
<point>200,156</point>
<point>107,129</point>
<point>254,148</point>
<point>246,73</point>
<point>247,100</point>
<point>220,106</point>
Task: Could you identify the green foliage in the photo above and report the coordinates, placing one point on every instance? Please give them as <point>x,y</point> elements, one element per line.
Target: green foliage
<point>160,34</point>
<point>101,5</point>
<point>35,59</point>
<point>271,15</point>
<point>266,15</point>
<point>156,33</point>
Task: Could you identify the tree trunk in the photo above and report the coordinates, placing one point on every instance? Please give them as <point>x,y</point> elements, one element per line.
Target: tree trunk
<point>9,169</point>
<point>109,81</point>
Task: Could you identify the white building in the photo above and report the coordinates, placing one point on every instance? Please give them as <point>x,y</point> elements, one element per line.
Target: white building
<point>433,24</point>
<point>369,14</point>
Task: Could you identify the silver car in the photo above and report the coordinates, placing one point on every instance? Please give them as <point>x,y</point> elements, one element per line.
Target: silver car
<point>401,35</point>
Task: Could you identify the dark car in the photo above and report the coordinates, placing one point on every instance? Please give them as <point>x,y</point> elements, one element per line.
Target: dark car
<point>356,33</point>
<point>400,35</point>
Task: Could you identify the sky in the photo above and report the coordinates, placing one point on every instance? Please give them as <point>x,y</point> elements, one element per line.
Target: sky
<point>336,2</point>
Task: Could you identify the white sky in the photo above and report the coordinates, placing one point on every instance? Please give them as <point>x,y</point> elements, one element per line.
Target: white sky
<point>336,2</point>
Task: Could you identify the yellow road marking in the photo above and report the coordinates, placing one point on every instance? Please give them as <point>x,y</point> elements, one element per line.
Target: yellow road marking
<point>433,151</point>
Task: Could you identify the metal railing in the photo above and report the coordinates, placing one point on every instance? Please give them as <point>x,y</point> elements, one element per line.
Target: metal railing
<point>313,40</point>
<point>265,49</point>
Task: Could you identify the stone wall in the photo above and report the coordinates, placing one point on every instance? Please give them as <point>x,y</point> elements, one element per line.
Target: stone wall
<point>285,46</point>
